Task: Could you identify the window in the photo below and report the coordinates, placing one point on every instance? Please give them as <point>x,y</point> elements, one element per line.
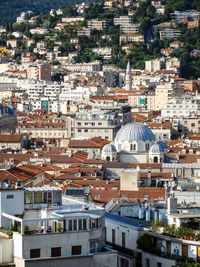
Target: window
<point>99,123</point>
<point>124,262</point>
<point>79,131</point>
<point>35,253</point>
<point>80,224</point>
<point>10,196</point>
<point>133,147</point>
<point>94,223</point>
<point>113,236</point>
<point>70,225</point>
<point>123,239</point>
<point>75,225</point>
<point>56,252</point>
<point>37,197</point>
<point>28,198</point>
<point>147,147</point>
<point>84,224</point>
<point>76,250</point>
<point>86,130</point>
<point>147,263</point>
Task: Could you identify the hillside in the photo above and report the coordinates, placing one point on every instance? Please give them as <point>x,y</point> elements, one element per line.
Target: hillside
<point>10,9</point>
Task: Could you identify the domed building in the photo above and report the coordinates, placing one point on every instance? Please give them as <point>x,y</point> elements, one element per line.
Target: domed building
<point>109,152</point>
<point>156,153</point>
<point>134,143</point>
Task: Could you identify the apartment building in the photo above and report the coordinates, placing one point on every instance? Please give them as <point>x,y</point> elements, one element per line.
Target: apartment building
<point>164,93</point>
<point>39,72</point>
<point>84,32</point>
<point>122,20</point>
<point>85,67</point>
<point>96,24</point>
<point>88,124</point>
<point>64,235</point>
<point>184,107</point>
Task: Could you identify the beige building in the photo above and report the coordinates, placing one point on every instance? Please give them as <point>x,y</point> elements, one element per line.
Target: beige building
<point>39,72</point>
<point>164,93</point>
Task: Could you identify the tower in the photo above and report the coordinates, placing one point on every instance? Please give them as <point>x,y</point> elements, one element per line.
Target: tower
<point>128,77</point>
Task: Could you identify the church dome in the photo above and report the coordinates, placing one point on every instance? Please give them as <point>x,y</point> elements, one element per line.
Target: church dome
<point>134,132</point>
<point>156,149</point>
<point>109,148</point>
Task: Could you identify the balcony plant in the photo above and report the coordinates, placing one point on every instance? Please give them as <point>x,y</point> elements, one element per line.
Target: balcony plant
<point>157,227</point>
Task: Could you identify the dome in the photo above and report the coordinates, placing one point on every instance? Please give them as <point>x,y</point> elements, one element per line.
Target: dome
<point>134,132</point>
<point>156,149</point>
<point>109,148</point>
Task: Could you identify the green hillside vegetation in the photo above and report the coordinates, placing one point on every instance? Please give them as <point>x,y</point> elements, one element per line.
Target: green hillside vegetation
<point>10,9</point>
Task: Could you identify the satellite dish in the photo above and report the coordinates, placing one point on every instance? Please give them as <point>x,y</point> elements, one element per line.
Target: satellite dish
<point>5,184</point>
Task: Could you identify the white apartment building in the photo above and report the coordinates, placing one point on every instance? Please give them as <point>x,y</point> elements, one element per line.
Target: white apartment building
<point>183,107</point>
<point>89,124</point>
<point>154,65</point>
<point>72,20</point>
<point>105,52</point>
<point>38,30</point>
<point>85,67</point>
<point>52,235</point>
<point>96,24</point>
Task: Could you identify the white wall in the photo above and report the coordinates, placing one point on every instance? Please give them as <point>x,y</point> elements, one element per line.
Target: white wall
<point>130,233</point>
<point>6,251</point>
<point>12,205</point>
<point>192,252</point>
<point>46,241</point>
<point>155,259</point>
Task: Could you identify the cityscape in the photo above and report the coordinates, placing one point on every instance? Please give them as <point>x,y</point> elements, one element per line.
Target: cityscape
<point>100,133</point>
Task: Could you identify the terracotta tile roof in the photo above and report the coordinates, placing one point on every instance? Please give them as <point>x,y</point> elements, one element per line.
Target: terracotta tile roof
<point>109,97</point>
<point>139,118</point>
<point>121,165</point>
<point>70,177</point>
<point>185,158</point>
<point>98,184</point>
<point>10,138</point>
<point>83,168</point>
<point>144,175</point>
<point>193,136</point>
<point>104,196</point>
<point>4,174</point>
<point>96,142</point>
<point>162,125</point>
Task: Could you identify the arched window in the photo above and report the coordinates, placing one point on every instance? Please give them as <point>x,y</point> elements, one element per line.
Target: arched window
<point>155,160</point>
<point>133,147</point>
<point>147,147</point>
<point>107,158</point>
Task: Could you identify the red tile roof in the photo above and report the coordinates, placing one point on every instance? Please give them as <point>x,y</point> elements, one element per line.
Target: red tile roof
<point>96,142</point>
<point>104,196</point>
<point>10,138</point>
